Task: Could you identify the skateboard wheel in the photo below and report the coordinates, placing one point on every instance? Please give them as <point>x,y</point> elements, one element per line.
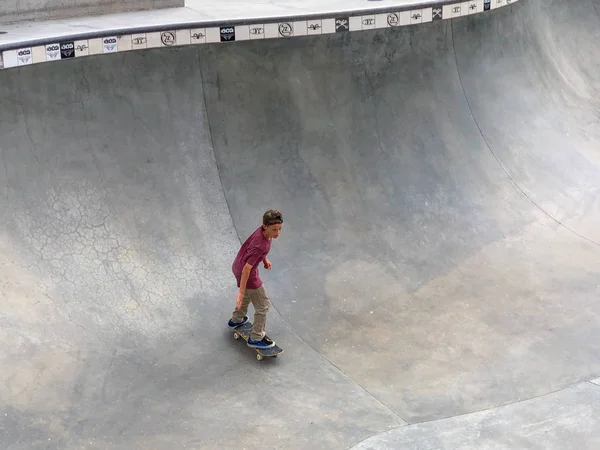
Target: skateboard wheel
<point>259,356</point>
<point>236,336</point>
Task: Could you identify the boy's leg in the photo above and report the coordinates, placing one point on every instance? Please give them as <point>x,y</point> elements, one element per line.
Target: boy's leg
<point>261,303</point>
<point>238,314</point>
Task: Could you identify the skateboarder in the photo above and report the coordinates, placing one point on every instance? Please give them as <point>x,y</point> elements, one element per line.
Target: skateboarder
<point>251,289</point>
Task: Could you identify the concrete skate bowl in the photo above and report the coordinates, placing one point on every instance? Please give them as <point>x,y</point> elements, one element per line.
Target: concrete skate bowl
<point>440,253</point>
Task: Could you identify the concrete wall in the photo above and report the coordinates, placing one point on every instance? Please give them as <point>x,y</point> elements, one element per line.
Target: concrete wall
<point>19,10</point>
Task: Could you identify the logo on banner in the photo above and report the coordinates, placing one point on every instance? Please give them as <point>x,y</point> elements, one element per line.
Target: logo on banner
<point>286,29</point>
<point>437,13</point>
<point>109,44</point>
<point>314,27</point>
<point>342,24</point>
<point>53,51</point>
<point>1,62</point>
<point>227,34</point>
<point>67,50</point>
<point>24,56</point>
<point>393,19</point>
<point>257,30</point>
<point>81,48</point>
<point>168,38</point>
<point>368,22</point>
<point>487,5</point>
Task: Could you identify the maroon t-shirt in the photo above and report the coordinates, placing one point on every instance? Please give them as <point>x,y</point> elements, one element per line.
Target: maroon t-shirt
<point>253,252</point>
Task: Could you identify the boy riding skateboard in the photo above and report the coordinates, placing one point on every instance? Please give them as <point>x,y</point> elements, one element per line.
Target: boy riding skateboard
<point>251,289</point>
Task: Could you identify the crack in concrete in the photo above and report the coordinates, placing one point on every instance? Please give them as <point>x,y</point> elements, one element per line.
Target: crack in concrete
<point>469,413</point>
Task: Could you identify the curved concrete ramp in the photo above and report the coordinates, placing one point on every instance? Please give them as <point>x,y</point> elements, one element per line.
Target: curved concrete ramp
<point>440,254</point>
<point>116,283</point>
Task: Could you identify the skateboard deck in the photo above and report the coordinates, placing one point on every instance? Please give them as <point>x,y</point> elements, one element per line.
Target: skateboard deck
<point>243,331</point>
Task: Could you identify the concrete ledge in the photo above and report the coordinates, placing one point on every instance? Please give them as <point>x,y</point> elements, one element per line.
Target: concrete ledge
<point>35,43</point>
<point>15,11</point>
<point>557,421</point>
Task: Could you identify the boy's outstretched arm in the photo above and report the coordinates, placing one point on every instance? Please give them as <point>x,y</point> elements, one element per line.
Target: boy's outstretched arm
<point>245,275</point>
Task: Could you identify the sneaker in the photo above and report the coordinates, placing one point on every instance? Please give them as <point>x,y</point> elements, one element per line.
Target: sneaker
<point>231,324</point>
<point>263,343</point>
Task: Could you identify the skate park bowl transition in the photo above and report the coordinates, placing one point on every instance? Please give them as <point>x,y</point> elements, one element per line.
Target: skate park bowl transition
<point>437,281</point>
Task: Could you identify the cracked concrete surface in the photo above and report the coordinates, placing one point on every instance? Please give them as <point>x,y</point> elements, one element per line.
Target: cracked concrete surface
<point>436,283</point>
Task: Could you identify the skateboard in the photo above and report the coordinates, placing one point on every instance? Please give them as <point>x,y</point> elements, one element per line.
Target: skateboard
<point>243,331</point>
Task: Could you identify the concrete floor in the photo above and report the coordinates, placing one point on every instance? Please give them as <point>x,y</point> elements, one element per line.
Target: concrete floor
<point>436,285</point>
